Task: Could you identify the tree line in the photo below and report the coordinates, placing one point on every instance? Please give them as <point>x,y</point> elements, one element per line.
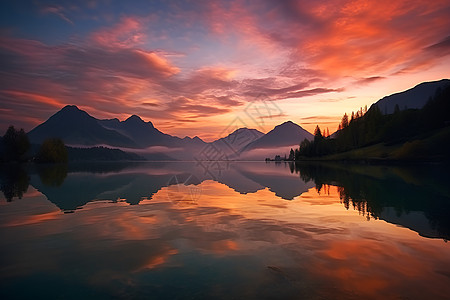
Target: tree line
<point>16,147</point>
<point>369,127</point>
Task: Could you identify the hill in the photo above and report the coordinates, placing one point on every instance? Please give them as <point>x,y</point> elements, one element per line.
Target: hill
<point>101,154</point>
<point>414,98</point>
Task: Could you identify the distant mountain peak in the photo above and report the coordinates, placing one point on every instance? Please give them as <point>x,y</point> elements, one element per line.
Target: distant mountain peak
<point>70,107</point>
<point>245,129</point>
<point>287,124</point>
<point>134,118</point>
<point>71,112</point>
<point>285,134</point>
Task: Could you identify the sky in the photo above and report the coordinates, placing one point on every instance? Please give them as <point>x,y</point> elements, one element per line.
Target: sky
<point>205,68</point>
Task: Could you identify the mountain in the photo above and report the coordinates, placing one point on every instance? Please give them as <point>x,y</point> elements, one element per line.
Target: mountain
<point>286,134</point>
<point>237,140</point>
<point>76,127</point>
<point>415,97</point>
<point>144,134</point>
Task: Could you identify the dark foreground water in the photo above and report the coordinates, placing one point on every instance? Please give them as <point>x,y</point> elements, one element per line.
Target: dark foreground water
<point>224,231</point>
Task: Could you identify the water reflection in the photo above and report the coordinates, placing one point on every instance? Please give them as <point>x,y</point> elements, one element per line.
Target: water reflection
<point>239,239</point>
<point>399,195</point>
<point>52,175</point>
<point>415,197</point>
<point>14,181</point>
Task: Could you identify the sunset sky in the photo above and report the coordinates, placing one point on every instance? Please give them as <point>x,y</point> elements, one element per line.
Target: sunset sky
<point>207,67</point>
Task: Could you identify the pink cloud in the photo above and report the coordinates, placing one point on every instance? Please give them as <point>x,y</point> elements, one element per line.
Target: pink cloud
<point>337,38</point>
<point>279,49</point>
<point>128,32</point>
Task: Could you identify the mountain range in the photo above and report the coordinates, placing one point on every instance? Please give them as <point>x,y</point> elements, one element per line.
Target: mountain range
<point>77,128</point>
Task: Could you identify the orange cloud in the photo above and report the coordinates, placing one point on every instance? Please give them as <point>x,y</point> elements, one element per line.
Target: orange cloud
<point>365,37</point>
<point>34,97</point>
<point>232,53</point>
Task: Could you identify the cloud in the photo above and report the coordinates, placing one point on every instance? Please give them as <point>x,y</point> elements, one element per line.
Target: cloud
<point>128,32</point>
<point>280,115</point>
<point>86,75</point>
<point>336,38</point>
<point>364,37</point>
<point>58,10</point>
<point>186,62</point>
<point>190,108</point>
<point>318,118</point>
<point>442,47</point>
<point>369,80</point>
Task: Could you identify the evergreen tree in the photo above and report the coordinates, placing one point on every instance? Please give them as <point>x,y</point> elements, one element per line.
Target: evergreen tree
<point>317,132</point>
<point>16,144</point>
<point>291,155</point>
<point>344,122</point>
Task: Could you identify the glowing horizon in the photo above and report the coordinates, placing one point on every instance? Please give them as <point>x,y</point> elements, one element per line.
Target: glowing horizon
<point>193,68</point>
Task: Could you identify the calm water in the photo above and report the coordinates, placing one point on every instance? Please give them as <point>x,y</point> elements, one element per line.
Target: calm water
<point>225,231</point>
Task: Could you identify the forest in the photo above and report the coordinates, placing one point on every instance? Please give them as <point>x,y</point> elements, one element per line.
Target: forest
<point>406,134</point>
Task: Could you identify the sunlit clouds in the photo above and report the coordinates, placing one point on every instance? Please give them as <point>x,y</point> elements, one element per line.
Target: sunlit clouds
<point>190,66</point>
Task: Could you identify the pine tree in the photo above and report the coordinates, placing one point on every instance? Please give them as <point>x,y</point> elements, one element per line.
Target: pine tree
<point>317,132</point>
<point>344,122</point>
<point>291,155</point>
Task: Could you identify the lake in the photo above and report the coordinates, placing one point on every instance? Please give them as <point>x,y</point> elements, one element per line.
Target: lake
<point>224,230</point>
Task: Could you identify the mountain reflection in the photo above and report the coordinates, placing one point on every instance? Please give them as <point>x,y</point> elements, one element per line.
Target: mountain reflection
<point>401,195</point>
<point>135,182</point>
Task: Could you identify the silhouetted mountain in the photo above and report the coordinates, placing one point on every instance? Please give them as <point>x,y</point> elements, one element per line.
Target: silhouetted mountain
<point>144,134</point>
<point>237,140</point>
<point>415,97</point>
<point>286,134</point>
<point>76,127</point>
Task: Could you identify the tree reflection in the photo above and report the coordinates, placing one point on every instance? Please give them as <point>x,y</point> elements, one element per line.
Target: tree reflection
<point>52,175</point>
<point>372,189</point>
<point>14,181</point>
